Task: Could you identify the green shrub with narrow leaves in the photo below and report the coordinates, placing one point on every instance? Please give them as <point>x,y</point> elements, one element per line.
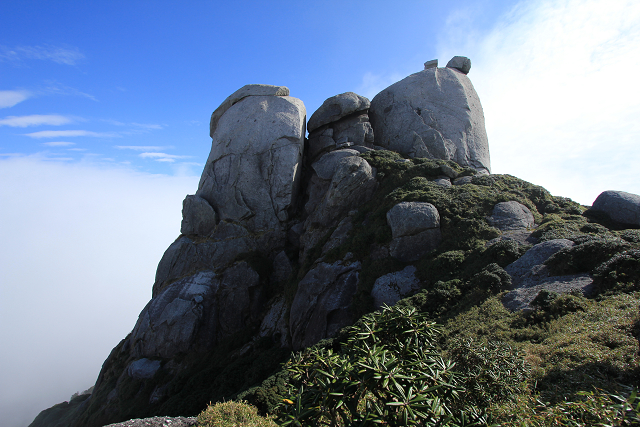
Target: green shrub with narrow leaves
<point>388,372</point>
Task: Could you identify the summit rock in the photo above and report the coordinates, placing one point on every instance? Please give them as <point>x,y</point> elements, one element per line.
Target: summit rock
<point>436,114</point>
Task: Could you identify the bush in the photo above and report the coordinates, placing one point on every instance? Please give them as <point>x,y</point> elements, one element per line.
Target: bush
<point>233,414</point>
<point>594,408</point>
<point>492,371</point>
<point>389,371</point>
<point>621,271</point>
<point>585,257</point>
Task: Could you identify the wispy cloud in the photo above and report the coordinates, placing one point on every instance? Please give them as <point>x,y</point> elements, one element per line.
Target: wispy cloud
<point>58,144</point>
<point>373,83</point>
<point>559,108</point>
<point>138,127</point>
<point>65,133</point>
<point>140,147</point>
<point>162,157</point>
<point>56,88</point>
<point>57,54</point>
<point>35,120</point>
<point>9,98</point>
<point>147,126</point>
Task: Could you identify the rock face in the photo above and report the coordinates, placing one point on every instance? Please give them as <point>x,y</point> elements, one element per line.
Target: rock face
<point>252,174</point>
<point>337,107</point>
<point>352,184</point>
<point>415,228</point>
<point>435,114</point>
<point>239,95</point>
<point>198,217</point>
<point>620,206</point>
<point>143,368</point>
<point>322,304</point>
<point>197,311</point>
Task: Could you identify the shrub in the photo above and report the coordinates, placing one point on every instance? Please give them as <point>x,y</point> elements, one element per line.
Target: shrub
<point>492,277</point>
<point>621,271</point>
<point>388,371</point>
<point>585,257</point>
<point>233,414</point>
<point>594,408</point>
<point>492,371</point>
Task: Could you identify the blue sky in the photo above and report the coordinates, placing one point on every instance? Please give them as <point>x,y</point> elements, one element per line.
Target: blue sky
<point>104,113</point>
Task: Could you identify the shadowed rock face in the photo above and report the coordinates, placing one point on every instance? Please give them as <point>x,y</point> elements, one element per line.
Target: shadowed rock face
<point>322,304</point>
<point>436,114</point>
<point>197,310</point>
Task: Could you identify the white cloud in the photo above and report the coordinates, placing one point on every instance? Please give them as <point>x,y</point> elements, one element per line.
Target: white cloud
<point>51,267</point>
<point>559,98</point>
<point>162,157</point>
<point>63,133</point>
<point>57,88</point>
<point>57,54</point>
<point>373,83</point>
<point>9,98</point>
<point>58,144</point>
<point>139,147</point>
<point>147,126</point>
<point>35,120</point>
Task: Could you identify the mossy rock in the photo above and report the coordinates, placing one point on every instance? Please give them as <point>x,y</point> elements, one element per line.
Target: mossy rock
<point>585,257</point>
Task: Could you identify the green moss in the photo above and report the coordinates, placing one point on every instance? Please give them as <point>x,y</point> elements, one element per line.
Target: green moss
<point>571,342</point>
<point>621,273</point>
<point>584,257</point>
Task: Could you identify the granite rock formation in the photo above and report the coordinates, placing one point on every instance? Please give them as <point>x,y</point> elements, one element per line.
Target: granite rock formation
<point>436,114</point>
<point>287,241</point>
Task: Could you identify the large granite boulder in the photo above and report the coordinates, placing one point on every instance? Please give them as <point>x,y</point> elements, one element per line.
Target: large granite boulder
<point>197,310</point>
<point>511,215</point>
<point>341,121</point>
<point>435,113</point>
<point>322,304</point>
<point>252,173</point>
<point>620,206</point>
<point>415,228</point>
<point>460,63</point>
<point>337,107</point>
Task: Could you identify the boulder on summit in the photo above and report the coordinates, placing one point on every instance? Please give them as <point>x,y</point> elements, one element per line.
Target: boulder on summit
<point>435,114</point>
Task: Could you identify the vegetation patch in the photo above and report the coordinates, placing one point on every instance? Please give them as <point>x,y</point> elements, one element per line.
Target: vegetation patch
<point>233,414</point>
